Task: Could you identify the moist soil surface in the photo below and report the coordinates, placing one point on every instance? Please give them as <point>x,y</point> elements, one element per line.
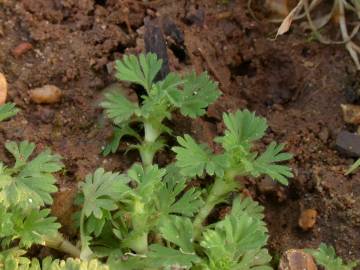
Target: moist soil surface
<point>296,83</point>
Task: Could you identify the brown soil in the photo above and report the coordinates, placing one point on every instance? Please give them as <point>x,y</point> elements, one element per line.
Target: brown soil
<point>296,84</point>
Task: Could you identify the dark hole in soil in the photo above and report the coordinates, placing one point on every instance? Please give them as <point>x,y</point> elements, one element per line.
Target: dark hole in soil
<point>243,69</point>
<point>120,48</point>
<point>100,2</point>
<point>179,52</point>
<point>305,52</point>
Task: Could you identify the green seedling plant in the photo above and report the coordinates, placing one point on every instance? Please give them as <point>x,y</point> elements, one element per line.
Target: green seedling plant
<point>144,220</point>
<point>326,257</point>
<point>355,166</point>
<point>25,220</point>
<point>243,129</point>
<point>148,218</point>
<point>190,94</point>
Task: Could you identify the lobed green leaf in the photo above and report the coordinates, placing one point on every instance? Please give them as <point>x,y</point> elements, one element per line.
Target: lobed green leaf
<point>242,128</point>
<point>326,257</point>
<point>266,164</point>
<point>7,110</point>
<point>29,183</point>
<point>118,108</point>
<point>198,93</point>
<point>194,159</point>
<point>141,70</point>
<point>102,190</point>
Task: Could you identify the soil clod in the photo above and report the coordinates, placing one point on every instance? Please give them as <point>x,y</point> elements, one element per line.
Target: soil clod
<point>21,49</point>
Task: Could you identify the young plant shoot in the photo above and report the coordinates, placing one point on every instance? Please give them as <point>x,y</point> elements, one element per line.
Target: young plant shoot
<point>243,129</point>
<point>143,220</point>
<point>191,95</point>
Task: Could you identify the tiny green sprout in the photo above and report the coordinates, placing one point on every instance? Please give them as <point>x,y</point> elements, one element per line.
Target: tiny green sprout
<point>190,94</point>
<point>353,167</point>
<point>243,128</point>
<point>7,110</point>
<point>326,257</point>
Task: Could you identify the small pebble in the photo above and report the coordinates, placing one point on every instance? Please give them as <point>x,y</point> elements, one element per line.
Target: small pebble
<point>296,259</point>
<point>348,143</point>
<point>48,94</point>
<point>21,49</point>
<point>351,113</point>
<point>307,219</point>
<point>3,89</point>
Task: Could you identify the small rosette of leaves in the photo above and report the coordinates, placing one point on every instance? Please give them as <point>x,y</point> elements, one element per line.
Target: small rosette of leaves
<point>129,207</point>
<point>243,129</point>
<point>190,94</point>
<point>238,241</point>
<point>326,257</point>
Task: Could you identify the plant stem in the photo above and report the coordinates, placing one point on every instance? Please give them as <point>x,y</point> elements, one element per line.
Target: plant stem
<point>151,132</point>
<point>139,244</point>
<point>147,151</point>
<point>218,191</point>
<point>86,252</point>
<point>146,155</point>
<point>59,243</point>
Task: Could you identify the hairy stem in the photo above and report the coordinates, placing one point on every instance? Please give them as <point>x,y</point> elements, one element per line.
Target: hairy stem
<point>59,243</point>
<point>151,132</point>
<point>86,252</point>
<point>146,155</point>
<point>147,151</point>
<point>218,191</point>
<point>139,244</point>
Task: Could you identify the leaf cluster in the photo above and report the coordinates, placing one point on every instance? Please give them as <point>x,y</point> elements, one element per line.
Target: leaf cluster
<point>157,203</point>
<point>13,259</point>
<point>243,129</point>
<point>25,188</point>
<point>326,257</point>
<point>190,94</point>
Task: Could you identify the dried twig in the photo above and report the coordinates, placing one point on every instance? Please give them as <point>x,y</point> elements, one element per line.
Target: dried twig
<point>303,10</point>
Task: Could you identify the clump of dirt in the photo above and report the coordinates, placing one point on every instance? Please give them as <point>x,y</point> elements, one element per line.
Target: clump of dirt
<point>297,85</point>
